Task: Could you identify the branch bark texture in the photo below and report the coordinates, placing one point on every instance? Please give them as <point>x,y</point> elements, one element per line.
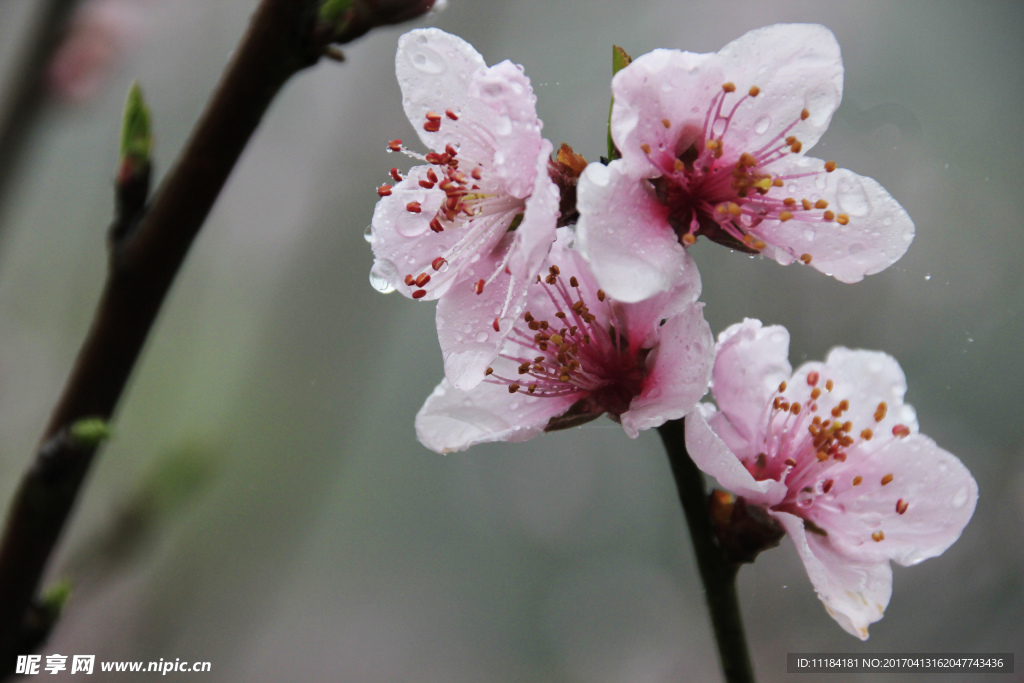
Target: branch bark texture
<point>144,261</point>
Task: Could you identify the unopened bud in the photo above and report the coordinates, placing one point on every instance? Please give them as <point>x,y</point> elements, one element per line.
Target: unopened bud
<point>90,431</point>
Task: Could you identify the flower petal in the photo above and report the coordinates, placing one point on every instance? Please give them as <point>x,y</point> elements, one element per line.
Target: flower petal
<point>855,592</point>
<point>931,487</point>
<point>750,363</point>
<point>877,235</point>
<point>536,232</point>
<point>511,122</point>
<point>711,454</point>
<point>796,67</point>
<point>661,85</point>
<point>624,233</point>
<point>465,319</point>
<point>435,70</point>
<point>453,420</point>
<point>864,379</point>
<point>678,371</point>
<point>643,318</point>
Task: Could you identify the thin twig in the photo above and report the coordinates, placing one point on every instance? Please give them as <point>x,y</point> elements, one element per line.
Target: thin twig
<point>28,92</point>
<point>144,261</point>
<point>716,572</point>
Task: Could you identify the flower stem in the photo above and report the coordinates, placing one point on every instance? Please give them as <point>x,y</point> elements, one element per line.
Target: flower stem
<point>717,573</point>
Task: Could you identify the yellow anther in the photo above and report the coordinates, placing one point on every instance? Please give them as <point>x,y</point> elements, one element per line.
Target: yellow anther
<point>804,114</point>
<point>789,201</point>
<point>857,480</point>
<point>821,204</point>
<point>678,165</point>
<point>822,456</point>
<point>842,219</point>
<point>830,166</point>
<point>759,245</point>
<point>666,123</point>
<point>734,209</point>
<point>829,216</point>
<point>878,536</point>
<point>785,216</point>
<point>763,184</point>
<point>729,87</point>
<point>887,479</point>
<point>778,182</point>
<point>754,91</point>
<point>688,239</point>
<point>806,204</point>
<point>806,258</point>
<point>828,385</point>
<point>646,148</point>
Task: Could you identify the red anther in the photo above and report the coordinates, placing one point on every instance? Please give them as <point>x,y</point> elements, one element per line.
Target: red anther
<point>426,184</point>
<point>452,202</point>
<point>433,158</point>
<point>396,175</point>
<point>812,378</point>
<point>433,116</point>
<point>436,226</point>
<point>450,151</point>
<point>422,279</point>
<point>432,126</point>
<point>384,190</point>
<point>901,431</point>
<point>395,145</point>
<point>413,207</point>
<point>476,173</point>
<point>827,486</point>
<point>450,114</point>
<point>901,506</point>
<point>419,294</point>
<point>437,263</point>
<point>478,287</point>
<point>495,325</point>
<point>431,176</point>
<point>409,280</point>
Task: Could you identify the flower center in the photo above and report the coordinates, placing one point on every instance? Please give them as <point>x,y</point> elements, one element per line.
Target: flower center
<point>573,353</point>
<point>468,196</point>
<point>714,189</point>
<point>802,444</point>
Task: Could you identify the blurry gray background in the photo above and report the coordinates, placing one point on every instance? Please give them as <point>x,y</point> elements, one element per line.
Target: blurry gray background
<point>265,505</point>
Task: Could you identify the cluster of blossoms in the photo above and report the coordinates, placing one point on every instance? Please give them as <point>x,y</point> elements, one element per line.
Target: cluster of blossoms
<point>565,290</point>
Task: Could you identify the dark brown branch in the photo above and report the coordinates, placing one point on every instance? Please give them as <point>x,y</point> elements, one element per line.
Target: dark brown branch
<point>717,573</point>
<point>29,87</point>
<point>144,261</point>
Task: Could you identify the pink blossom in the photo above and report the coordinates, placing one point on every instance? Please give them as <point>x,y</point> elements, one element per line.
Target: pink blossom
<point>834,454</point>
<point>713,145</point>
<point>99,32</point>
<point>487,173</point>
<point>575,354</point>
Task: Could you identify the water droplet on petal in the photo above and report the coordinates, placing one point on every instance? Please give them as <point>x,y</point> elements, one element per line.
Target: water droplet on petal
<point>379,282</point>
<point>428,61</point>
<point>503,126</point>
<point>851,196</point>
<point>761,126</point>
<point>960,499</point>
<point>481,337</point>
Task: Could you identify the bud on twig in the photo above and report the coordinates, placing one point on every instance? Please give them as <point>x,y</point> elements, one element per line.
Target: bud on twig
<point>90,431</point>
<point>133,161</point>
<point>342,21</point>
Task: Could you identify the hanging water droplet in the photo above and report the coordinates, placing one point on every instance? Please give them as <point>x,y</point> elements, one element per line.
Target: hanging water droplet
<point>380,283</point>
<point>927,276</point>
<point>368,233</point>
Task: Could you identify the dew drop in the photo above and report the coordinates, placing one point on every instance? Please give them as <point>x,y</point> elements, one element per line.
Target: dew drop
<point>428,61</point>
<point>761,125</point>
<point>481,337</point>
<point>718,127</point>
<point>380,283</point>
<point>851,196</point>
<point>503,126</point>
<point>960,499</point>
<point>927,276</point>
<point>411,226</point>
<point>368,233</point>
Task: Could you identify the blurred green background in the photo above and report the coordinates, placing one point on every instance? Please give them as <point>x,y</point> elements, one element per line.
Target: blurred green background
<point>265,505</point>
